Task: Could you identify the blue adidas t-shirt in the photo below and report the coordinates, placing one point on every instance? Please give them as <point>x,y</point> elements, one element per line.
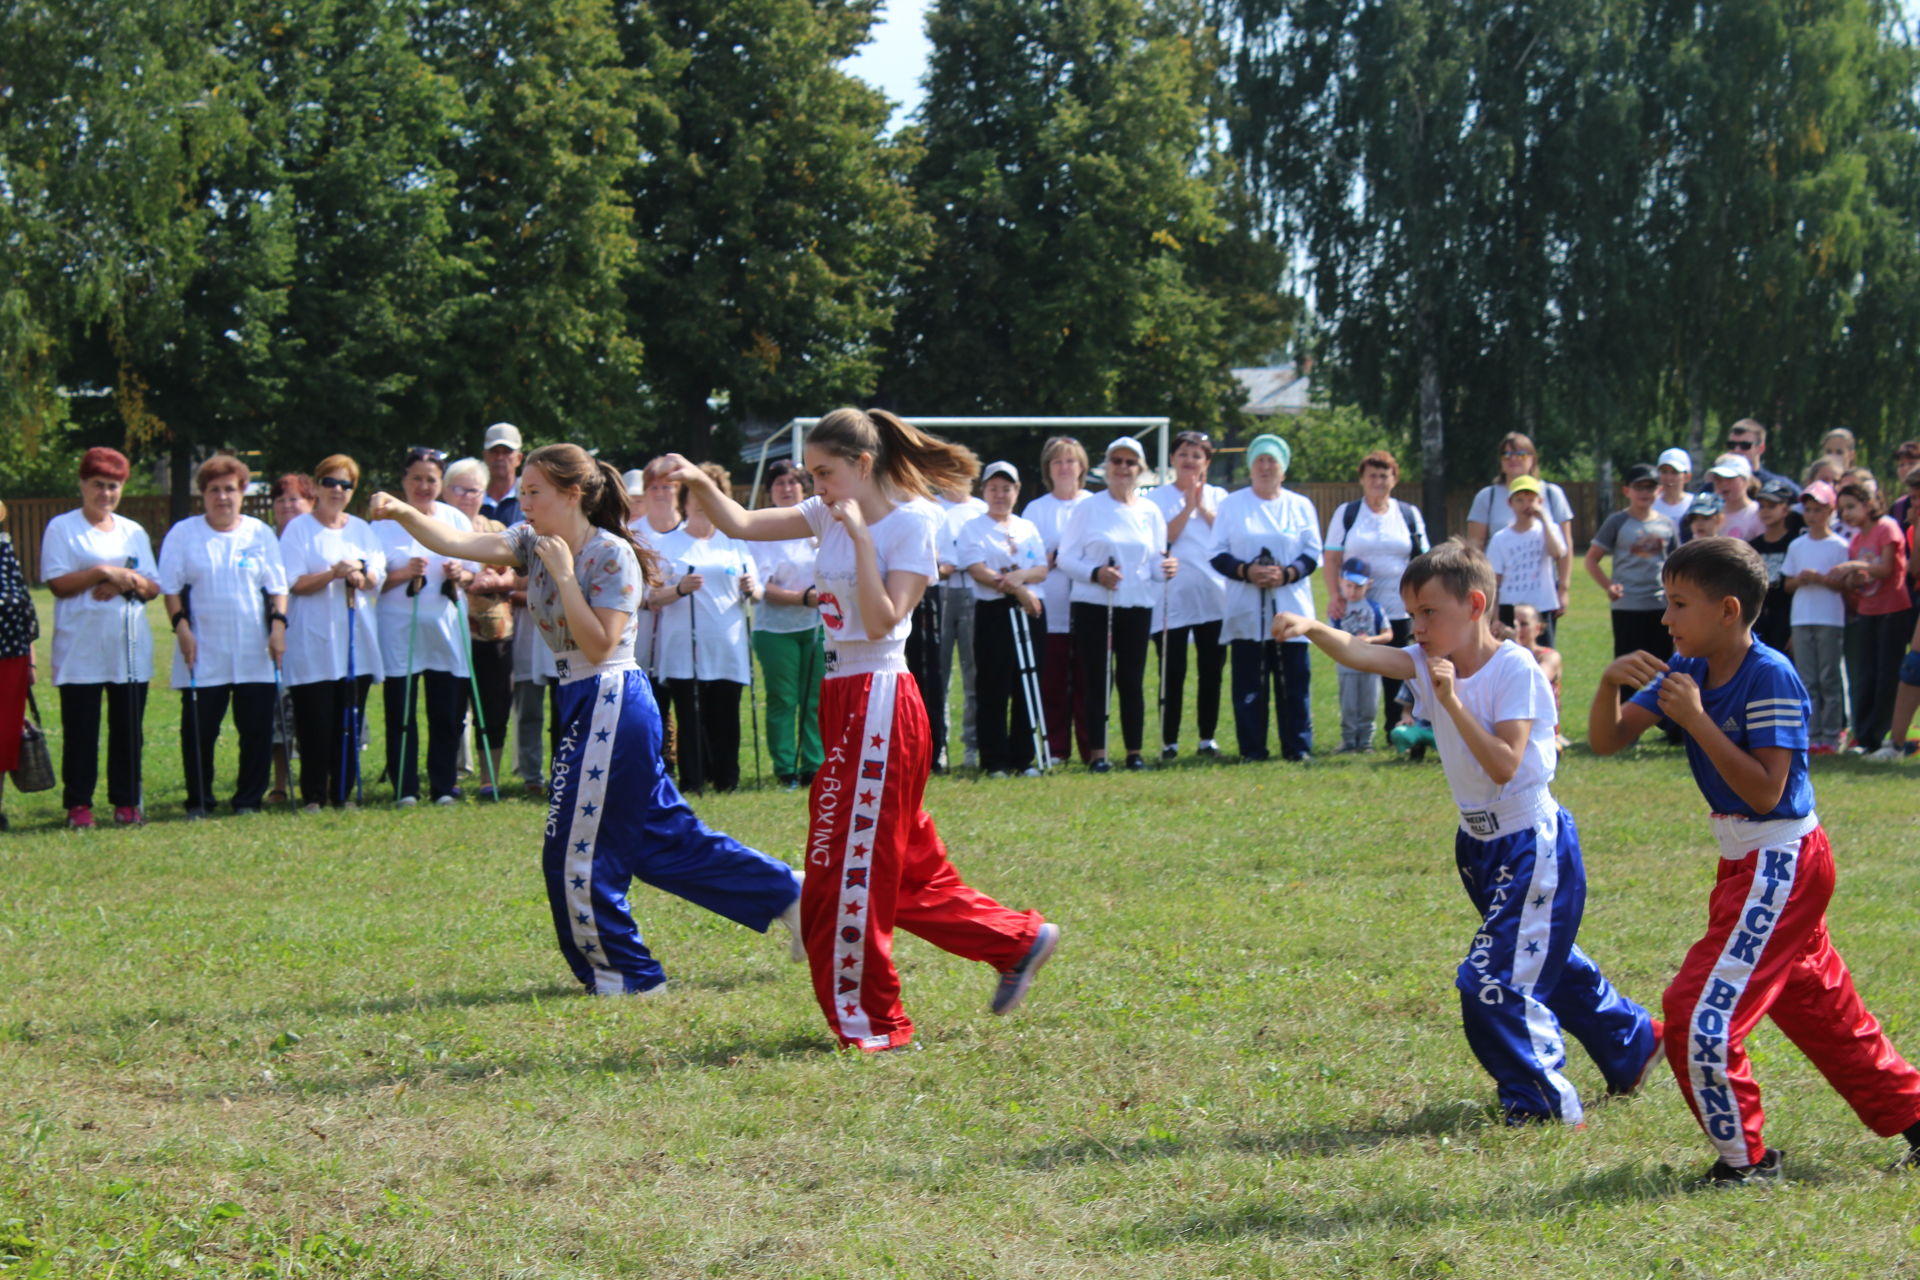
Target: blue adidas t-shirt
<point>1764,705</point>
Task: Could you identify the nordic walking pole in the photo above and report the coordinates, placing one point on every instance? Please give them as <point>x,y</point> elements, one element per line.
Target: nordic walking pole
<point>350,739</point>
<point>406,713</point>
<point>1166,618</point>
<point>279,689</point>
<point>753,705</point>
<point>193,707</point>
<point>1106,708</point>
<point>135,722</point>
<point>1023,657</point>
<point>479,712</point>
<point>699,725</point>
<point>1267,655</point>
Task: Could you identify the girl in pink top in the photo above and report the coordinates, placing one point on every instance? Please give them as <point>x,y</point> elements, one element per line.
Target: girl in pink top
<point>1875,579</point>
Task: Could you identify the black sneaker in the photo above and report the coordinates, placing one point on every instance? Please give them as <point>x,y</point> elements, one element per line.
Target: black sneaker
<point>1102,765</point>
<point>1134,763</point>
<point>1208,748</point>
<point>1723,1176</point>
<point>1170,751</point>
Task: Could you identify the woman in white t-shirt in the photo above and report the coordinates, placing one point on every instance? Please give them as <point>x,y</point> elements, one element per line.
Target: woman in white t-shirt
<point>1386,533</point>
<point>1196,600</point>
<point>99,566</point>
<point>1004,560</point>
<point>874,860</point>
<point>1491,511</point>
<point>1115,553</point>
<point>704,654</point>
<point>334,569</point>
<point>786,637</point>
<point>422,640</point>
<point>1266,544</point>
<point>226,594</point>
<point>1063,465</point>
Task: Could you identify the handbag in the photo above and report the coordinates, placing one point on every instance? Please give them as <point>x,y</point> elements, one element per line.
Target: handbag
<point>35,770</point>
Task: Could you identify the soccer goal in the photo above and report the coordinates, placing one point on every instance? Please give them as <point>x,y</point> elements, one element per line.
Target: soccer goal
<point>796,430</point>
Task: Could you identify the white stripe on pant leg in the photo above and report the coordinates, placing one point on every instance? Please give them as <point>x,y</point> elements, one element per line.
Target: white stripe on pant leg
<point>1530,948</point>
<point>596,763</point>
<point>851,921</point>
<point>1774,871</point>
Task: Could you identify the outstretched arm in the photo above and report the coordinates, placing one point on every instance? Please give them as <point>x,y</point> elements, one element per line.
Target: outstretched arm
<point>1613,725</point>
<point>771,524</point>
<point>1348,651</point>
<point>440,537</point>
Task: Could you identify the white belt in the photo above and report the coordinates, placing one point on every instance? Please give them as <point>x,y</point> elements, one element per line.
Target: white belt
<point>573,665</point>
<point>1502,817</point>
<point>863,661</point>
<point>1740,836</point>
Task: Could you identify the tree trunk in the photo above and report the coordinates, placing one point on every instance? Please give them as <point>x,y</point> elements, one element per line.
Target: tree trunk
<point>1696,419</point>
<point>1433,458</point>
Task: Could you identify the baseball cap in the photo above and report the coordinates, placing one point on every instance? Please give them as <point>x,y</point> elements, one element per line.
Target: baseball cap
<point>1706,504</point>
<point>502,433</point>
<point>1678,459</point>
<point>1730,465</point>
<point>1524,484</point>
<point>636,482</point>
<point>1819,491</point>
<point>1354,569</point>
<point>1775,491</point>
<point>1269,445</point>
<point>1127,444</point>
<point>1639,473</point>
<point>1006,469</point>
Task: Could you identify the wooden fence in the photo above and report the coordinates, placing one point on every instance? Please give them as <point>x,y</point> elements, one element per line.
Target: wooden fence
<point>27,520</point>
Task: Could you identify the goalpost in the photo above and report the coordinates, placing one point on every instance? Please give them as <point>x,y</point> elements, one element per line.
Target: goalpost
<point>797,429</point>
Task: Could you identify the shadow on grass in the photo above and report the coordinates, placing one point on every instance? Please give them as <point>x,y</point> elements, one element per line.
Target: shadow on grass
<point>1445,1120</point>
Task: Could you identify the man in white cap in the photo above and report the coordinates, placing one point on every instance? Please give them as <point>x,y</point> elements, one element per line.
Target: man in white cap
<point>1675,469</point>
<point>501,449</point>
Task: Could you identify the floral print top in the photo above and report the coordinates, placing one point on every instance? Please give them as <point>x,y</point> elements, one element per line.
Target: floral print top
<point>608,572</point>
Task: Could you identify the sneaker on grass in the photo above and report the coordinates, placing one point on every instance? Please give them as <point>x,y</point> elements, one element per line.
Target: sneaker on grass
<point>1017,981</point>
<point>1725,1177</point>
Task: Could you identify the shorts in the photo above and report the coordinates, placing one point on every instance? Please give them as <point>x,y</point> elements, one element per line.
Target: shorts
<point>1910,669</point>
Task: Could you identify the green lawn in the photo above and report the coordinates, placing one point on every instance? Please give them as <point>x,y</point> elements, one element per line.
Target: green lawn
<point>345,1045</point>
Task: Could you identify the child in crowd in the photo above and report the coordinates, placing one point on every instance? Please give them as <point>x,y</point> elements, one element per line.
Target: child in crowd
<point>1776,507</point>
<point>1359,692</point>
<point>1704,517</point>
<point>1516,850</point>
<point>1675,468</point>
<point>1526,634</point>
<point>1731,477</point>
<point>1526,555</point>
<point>1766,949</point>
<point>1818,617</point>
<point>1875,578</point>
<point>1639,539</point>
<point>1412,736</point>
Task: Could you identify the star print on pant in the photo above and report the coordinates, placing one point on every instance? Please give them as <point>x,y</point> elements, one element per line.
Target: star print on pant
<point>875,862</point>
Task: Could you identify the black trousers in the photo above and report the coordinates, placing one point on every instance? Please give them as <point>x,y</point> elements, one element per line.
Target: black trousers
<point>923,663</point>
<point>710,739</point>
<point>202,711</point>
<point>1263,671</point>
<point>493,672</point>
<point>1211,659</point>
<point>329,759</point>
<point>1004,723</point>
<point>446,719</point>
<point>1875,644</point>
<point>1087,624</point>
<point>80,742</point>
<point>1390,689</point>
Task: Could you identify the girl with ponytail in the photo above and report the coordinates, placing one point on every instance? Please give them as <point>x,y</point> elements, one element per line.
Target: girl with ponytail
<point>614,814</point>
<point>874,859</point>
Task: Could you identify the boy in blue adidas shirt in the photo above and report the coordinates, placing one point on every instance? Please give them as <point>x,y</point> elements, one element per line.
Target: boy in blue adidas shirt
<point>1766,951</point>
<point>1517,852</point>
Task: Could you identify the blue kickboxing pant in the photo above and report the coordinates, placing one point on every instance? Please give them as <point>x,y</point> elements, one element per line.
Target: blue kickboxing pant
<point>614,816</point>
<point>1524,981</point>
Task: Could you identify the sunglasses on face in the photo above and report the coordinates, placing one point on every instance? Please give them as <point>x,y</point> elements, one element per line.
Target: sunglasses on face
<point>1123,462</point>
<point>1517,453</point>
<point>421,453</point>
<point>1741,446</point>
<point>336,482</point>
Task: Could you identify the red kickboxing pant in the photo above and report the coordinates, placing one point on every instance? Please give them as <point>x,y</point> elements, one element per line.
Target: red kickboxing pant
<point>874,863</point>
<point>1766,953</point>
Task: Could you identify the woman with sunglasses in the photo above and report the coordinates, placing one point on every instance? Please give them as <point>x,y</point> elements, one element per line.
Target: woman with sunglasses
<point>1196,601</point>
<point>421,639</point>
<point>1491,513</point>
<point>1063,466</point>
<point>1114,552</point>
<point>329,555</point>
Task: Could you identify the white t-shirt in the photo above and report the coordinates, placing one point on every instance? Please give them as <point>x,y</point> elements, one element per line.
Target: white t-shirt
<point>439,641</point>
<point>1385,542</point>
<point>903,542</point>
<point>1528,575</point>
<point>1000,547</point>
<point>956,514</point>
<point>712,619</point>
<point>1510,687</point>
<point>1132,534</point>
<point>1674,511</point>
<point>230,574</point>
<point>90,636</point>
<point>1049,515</point>
<point>1198,593</point>
<point>1287,527</point>
<point>1491,508</point>
<point>787,564</point>
<point>1743,524</point>
<point>317,623</point>
<point>645,645</point>
<point>1815,605</point>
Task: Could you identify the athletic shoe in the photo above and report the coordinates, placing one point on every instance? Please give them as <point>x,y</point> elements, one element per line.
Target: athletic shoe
<point>1887,754</point>
<point>1820,749</point>
<point>796,944</point>
<point>998,773</point>
<point>536,788</point>
<point>970,759</point>
<point>1208,747</point>
<point>1723,1176</point>
<point>445,799</point>
<point>1169,750</point>
<point>309,808</point>
<point>246,812</point>
<point>80,817</point>
<point>787,781</point>
<point>1134,763</point>
<point>127,815</point>
<point>1030,772</point>
<point>1015,982</point>
<point>1646,1068</point>
<point>1102,765</point>
<point>406,802</point>
<point>486,793</point>
<point>196,815</point>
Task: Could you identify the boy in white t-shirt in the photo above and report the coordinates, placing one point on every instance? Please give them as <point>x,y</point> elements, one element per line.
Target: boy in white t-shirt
<point>1516,850</point>
<point>1526,557</point>
<point>1817,618</point>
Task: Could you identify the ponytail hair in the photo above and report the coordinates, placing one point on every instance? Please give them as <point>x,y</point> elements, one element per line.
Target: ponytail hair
<point>603,497</point>
<point>907,462</point>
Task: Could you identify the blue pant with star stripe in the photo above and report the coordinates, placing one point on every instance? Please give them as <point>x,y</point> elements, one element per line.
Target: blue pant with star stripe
<point>1524,981</point>
<point>614,816</point>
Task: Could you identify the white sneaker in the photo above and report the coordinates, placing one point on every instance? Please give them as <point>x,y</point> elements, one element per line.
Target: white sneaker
<point>443,800</point>
<point>970,759</point>
<point>796,944</point>
<point>1029,772</point>
<point>1886,754</point>
<point>406,802</point>
<point>998,773</point>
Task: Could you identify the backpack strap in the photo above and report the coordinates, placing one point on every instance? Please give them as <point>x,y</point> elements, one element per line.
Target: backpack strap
<point>1416,528</point>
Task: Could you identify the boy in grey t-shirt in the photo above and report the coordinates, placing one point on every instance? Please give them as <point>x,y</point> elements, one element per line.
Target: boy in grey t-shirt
<point>1359,690</point>
<point>1639,539</point>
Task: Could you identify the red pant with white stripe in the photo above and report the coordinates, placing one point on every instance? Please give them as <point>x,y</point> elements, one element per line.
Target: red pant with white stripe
<point>874,863</point>
<point>1767,953</point>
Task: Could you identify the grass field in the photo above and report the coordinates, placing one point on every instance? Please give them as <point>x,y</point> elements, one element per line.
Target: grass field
<point>346,1045</point>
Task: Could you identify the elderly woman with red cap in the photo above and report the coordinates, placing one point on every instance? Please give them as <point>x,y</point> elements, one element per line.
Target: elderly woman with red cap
<point>100,567</point>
